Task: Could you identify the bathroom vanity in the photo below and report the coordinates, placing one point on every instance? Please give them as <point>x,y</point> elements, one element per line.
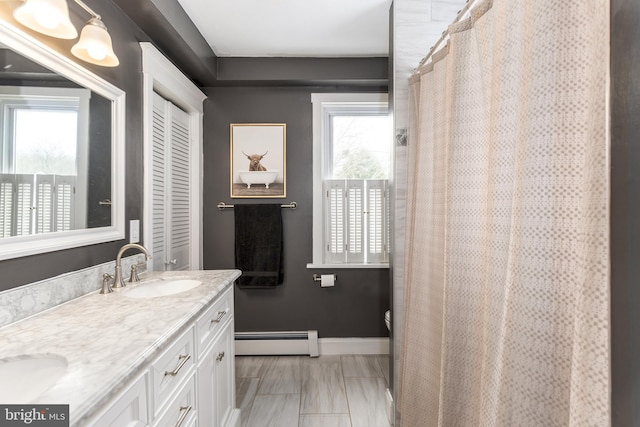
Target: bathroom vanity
<point>157,353</point>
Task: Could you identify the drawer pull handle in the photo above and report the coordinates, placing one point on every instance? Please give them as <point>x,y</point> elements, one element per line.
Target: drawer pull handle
<point>183,359</point>
<point>185,411</point>
<point>220,356</point>
<point>221,314</point>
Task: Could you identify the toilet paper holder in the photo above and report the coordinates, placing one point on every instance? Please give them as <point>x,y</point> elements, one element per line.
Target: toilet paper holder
<point>318,277</point>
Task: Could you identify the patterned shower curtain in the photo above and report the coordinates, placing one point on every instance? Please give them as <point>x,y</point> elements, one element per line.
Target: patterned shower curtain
<point>507,299</point>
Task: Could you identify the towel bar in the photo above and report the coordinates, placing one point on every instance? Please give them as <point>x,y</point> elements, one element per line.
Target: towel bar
<point>223,205</point>
<point>318,277</point>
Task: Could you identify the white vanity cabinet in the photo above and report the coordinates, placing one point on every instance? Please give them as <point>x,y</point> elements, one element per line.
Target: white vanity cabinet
<point>216,367</point>
<point>191,383</point>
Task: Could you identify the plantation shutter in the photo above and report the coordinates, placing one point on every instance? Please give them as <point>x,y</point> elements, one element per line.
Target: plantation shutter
<point>7,185</point>
<point>64,202</point>
<point>180,189</point>
<point>171,189</point>
<point>24,205</point>
<point>45,205</point>
<point>335,221</point>
<point>355,220</point>
<point>377,221</point>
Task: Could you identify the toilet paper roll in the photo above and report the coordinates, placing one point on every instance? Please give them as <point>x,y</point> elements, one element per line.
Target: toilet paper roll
<point>327,280</point>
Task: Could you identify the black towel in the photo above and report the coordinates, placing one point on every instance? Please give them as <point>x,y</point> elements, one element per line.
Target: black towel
<point>259,245</point>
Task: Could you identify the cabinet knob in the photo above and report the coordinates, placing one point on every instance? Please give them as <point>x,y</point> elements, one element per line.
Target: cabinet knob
<point>220,356</point>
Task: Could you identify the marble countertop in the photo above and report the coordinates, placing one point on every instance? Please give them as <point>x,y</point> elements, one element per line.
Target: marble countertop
<point>109,339</point>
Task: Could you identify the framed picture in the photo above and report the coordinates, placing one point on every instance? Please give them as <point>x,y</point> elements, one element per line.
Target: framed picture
<point>258,160</point>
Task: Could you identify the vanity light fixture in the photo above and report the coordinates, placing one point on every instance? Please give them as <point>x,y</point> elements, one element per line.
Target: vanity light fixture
<point>51,17</point>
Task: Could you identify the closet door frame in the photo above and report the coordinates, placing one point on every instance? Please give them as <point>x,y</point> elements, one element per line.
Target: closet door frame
<point>161,76</point>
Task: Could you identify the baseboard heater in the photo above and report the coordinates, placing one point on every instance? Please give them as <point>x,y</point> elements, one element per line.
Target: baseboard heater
<point>277,343</point>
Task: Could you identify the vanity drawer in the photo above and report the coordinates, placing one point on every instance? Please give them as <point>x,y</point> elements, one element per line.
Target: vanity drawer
<point>181,411</point>
<point>129,408</point>
<point>209,325</point>
<point>172,368</point>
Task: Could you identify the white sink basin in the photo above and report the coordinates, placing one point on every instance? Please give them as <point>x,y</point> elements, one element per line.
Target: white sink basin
<point>162,288</point>
<point>24,378</point>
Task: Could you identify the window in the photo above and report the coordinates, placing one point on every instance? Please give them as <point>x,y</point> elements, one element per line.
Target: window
<point>39,169</point>
<point>352,162</point>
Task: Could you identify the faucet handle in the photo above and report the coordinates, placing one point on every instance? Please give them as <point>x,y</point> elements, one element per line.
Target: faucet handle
<point>106,284</point>
<point>134,274</point>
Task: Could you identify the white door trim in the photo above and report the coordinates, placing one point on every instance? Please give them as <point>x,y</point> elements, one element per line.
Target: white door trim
<point>161,76</point>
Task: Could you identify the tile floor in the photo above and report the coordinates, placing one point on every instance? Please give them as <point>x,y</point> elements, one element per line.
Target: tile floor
<point>299,391</point>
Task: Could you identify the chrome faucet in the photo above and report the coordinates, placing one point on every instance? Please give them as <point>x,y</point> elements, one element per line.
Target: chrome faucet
<point>118,281</point>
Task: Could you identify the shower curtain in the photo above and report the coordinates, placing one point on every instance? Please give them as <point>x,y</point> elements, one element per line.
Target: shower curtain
<point>507,299</point>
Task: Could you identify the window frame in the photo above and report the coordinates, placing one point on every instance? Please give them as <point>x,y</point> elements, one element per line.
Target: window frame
<point>324,106</point>
<point>14,99</point>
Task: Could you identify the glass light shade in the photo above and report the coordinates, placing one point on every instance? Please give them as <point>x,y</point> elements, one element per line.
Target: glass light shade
<point>50,17</point>
<point>95,46</point>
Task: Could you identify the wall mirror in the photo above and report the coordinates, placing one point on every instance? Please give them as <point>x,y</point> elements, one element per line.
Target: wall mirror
<point>61,151</point>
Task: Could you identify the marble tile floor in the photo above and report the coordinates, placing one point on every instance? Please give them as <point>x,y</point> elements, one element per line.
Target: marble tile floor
<point>299,391</point>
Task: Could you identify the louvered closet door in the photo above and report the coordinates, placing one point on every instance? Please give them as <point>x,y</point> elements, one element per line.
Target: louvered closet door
<point>170,187</point>
<point>180,190</point>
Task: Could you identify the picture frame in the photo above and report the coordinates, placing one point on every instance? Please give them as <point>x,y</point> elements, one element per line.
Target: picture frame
<point>258,160</point>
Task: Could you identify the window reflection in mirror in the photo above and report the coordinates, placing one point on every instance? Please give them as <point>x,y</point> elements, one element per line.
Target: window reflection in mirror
<point>55,151</point>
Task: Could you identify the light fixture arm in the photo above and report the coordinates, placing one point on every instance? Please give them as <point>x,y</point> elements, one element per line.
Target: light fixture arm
<point>88,9</point>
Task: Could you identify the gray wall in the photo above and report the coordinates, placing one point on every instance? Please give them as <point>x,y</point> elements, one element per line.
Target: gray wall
<point>356,305</point>
<point>625,211</point>
<point>127,77</point>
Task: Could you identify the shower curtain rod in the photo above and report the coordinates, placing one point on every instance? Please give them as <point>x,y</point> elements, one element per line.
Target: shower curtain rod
<point>223,205</point>
<point>445,34</point>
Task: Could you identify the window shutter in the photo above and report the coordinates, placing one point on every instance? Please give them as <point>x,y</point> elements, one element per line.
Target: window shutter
<point>356,221</point>
<point>355,224</point>
<point>180,189</point>
<point>335,236</point>
<point>23,213</point>
<point>64,202</point>
<point>377,222</point>
<point>158,180</point>
<point>44,203</point>
<point>7,185</point>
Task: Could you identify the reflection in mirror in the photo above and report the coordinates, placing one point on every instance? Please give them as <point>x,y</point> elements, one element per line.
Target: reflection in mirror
<point>61,141</point>
<point>55,151</point>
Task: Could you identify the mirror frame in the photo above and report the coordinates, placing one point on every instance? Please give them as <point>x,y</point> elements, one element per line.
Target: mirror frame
<point>19,246</point>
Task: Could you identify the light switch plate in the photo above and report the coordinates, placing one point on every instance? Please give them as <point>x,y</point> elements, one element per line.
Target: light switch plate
<point>134,231</point>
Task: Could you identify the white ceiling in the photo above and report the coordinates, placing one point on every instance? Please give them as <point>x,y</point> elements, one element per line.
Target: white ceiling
<point>293,28</point>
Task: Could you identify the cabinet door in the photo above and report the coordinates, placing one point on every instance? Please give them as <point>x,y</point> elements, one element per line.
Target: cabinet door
<point>170,186</point>
<point>216,389</point>
<point>225,377</point>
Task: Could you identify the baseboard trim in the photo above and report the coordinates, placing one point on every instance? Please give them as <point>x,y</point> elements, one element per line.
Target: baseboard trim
<point>328,346</point>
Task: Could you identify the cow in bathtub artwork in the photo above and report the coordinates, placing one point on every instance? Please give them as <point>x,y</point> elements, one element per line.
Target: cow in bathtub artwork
<point>258,160</point>
<point>257,174</point>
